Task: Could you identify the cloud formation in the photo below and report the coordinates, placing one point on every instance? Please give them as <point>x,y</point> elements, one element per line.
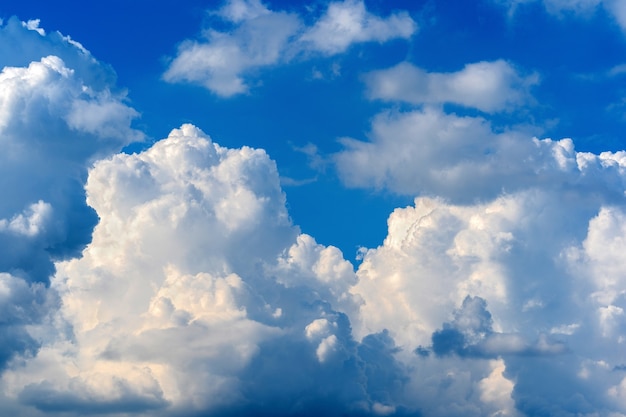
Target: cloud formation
<point>197,294</point>
<point>55,120</point>
<point>259,37</point>
<point>487,86</point>
<point>498,292</point>
<point>463,159</point>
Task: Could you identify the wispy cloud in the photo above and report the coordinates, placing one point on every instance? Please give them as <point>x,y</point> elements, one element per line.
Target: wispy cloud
<point>260,37</point>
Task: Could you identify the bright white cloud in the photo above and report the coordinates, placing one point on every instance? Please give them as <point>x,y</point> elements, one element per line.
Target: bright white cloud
<point>195,291</point>
<point>51,126</point>
<point>461,158</point>
<point>349,22</point>
<point>55,119</point>
<point>451,281</point>
<point>220,62</point>
<point>260,37</point>
<point>198,294</point>
<point>502,295</point>
<point>487,86</point>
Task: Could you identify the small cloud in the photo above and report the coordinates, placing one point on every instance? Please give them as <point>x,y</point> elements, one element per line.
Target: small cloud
<point>291,182</point>
<point>34,26</point>
<point>487,86</point>
<point>617,70</point>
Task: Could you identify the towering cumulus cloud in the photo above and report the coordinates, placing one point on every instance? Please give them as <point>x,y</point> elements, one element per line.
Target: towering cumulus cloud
<point>197,294</point>
<point>173,282</point>
<point>58,111</point>
<point>503,285</point>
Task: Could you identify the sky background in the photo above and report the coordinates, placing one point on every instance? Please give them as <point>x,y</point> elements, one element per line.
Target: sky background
<point>411,208</point>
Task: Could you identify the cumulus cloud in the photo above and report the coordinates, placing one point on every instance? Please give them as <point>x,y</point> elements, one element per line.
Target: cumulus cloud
<point>197,294</point>
<point>510,283</point>
<point>59,111</point>
<point>463,159</point>
<point>52,126</point>
<point>487,86</point>
<point>259,37</point>
<point>498,292</point>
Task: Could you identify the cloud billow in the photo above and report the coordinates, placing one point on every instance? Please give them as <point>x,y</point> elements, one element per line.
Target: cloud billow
<point>197,294</point>
<point>499,291</point>
<point>58,113</point>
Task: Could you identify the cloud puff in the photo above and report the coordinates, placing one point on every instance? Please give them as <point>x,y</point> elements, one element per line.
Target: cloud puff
<point>198,294</point>
<point>349,22</point>
<point>259,37</point>
<point>58,112</point>
<point>461,158</point>
<point>53,124</point>
<point>516,279</point>
<point>487,86</point>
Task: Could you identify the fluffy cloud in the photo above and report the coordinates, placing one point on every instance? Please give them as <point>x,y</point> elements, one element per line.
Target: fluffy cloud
<point>260,37</point>
<point>487,86</point>
<point>52,125</point>
<point>511,284</point>
<point>349,22</point>
<point>198,294</point>
<point>461,158</point>
<point>509,281</point>
<point>58,112</point>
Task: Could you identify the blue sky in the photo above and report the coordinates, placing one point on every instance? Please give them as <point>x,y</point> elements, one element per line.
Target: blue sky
<point>313,208</point>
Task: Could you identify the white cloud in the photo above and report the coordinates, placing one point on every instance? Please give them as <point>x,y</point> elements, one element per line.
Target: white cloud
<point>52,126</point>
<point>58,112</point>
<point>501,254</point>
<point>487,86</point>
<point>197,295</point>
<point>195,292</point>
<point>349,22</point>
<point>34,25</point>
<point>220,62</point>
<point>461,158</point>
<point>260,37</point>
